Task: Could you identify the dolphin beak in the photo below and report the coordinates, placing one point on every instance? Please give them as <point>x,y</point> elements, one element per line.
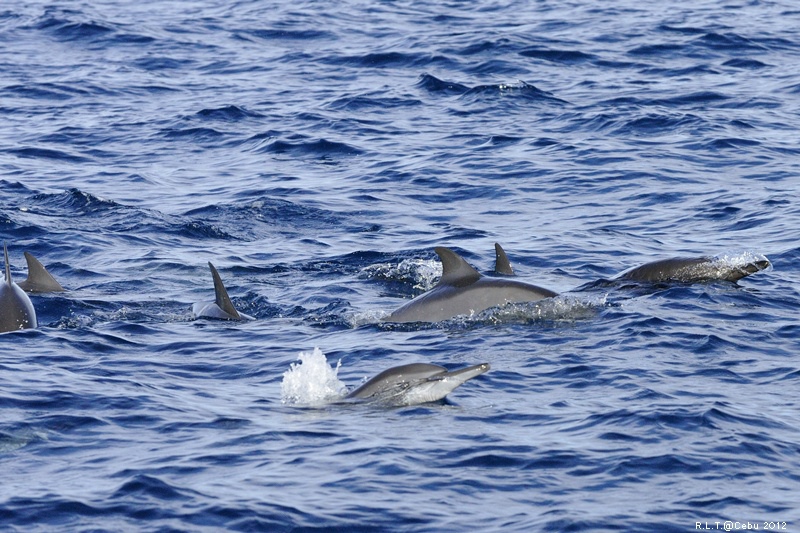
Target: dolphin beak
<point>463,374</point>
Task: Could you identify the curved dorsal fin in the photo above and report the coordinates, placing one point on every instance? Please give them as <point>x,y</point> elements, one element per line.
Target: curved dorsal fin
<point>501,264</point>
<point>222,299</point>
<point>8,267</point>
<point>39,279</point>
<point>455,270</point>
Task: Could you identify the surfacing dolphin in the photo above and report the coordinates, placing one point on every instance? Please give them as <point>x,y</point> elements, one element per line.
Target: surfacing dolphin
<point>693,269</point>
<point>462,290</point>
<point>39,279</point>
<point>221,307</point>
<point>16,309</point>
<point>413,384</point>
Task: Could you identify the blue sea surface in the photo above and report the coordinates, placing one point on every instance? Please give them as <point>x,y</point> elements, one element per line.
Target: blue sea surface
<point>316,153</point>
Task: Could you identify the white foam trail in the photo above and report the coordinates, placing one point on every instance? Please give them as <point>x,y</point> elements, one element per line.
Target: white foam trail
<point>423,273</point>
<point>312,381</point>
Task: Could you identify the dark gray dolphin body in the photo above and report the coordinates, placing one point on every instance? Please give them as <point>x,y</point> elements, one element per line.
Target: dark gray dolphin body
<point>16,309</point>
<point>692,269</point>
<point>39,279</point>
<point>462,290</point>
<point>221,307</point>
<point>414,383</point>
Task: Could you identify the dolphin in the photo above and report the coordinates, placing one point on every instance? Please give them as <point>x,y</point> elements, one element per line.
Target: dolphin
<point>692,269</point>
<point>414,383</point>
<point>16,309</point>
<point>221,307</point>
<point>39,279</point>
<point>462,290</point>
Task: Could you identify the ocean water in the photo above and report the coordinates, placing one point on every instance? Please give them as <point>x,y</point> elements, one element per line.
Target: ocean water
<point>316,153</point>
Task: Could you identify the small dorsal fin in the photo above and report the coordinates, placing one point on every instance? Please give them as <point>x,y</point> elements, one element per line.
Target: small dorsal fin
<point>223,301</point>
<point>501,264</point>
<point>8,267</point>
<point>39,279</point>
<point>455,270</point>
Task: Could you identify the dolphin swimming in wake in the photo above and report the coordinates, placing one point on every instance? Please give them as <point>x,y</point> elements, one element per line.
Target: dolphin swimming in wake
<point>16,309</point>
<point>221,307</point>
<point>414,383</point>
<point>462,290</point>
<point>39,279</point>
<point>693,269</point>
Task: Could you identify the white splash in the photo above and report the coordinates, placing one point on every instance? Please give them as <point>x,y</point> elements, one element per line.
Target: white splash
<point>312,381</point>
<point>741,259</point>
<point>423,273</point>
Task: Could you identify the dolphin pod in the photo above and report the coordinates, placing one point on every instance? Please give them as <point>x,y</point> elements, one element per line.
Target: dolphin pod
<point>413,384</point>
<point>462,290</point>
<point>16,309</point>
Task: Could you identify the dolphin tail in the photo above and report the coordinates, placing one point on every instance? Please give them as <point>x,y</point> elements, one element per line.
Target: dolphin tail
<point>223,301</point>
<point>8,266</point>
<point>501,264</point>
<point>39,279</point>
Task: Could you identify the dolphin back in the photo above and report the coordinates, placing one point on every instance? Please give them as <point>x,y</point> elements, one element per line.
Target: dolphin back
<point>414,384</point>
<point>396,378</point>
<point>16,309</point>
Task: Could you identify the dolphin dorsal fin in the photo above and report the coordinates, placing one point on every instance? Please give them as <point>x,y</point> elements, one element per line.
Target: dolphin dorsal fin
<point>39,279</point>
<point>455,270</point>
<point>222,299</point>
<point>8,267</point>
<point>501,264</point>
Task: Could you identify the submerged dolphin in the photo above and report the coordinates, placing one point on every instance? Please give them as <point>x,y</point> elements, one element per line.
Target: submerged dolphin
<point>16,309</point>
<point>414,383</point>
<point>692,269</point>
<point>39,279</point>
<point>464,291</point>
<point>680,269</point>
<point>221,307</point>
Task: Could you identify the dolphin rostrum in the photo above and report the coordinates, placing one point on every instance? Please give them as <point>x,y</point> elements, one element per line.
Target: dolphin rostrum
<point>462,290</point>
<point>221,307</point>
<point>414,383</point>
<point>693,269</point>
<point>39,279</point>
<point>16,309</point>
